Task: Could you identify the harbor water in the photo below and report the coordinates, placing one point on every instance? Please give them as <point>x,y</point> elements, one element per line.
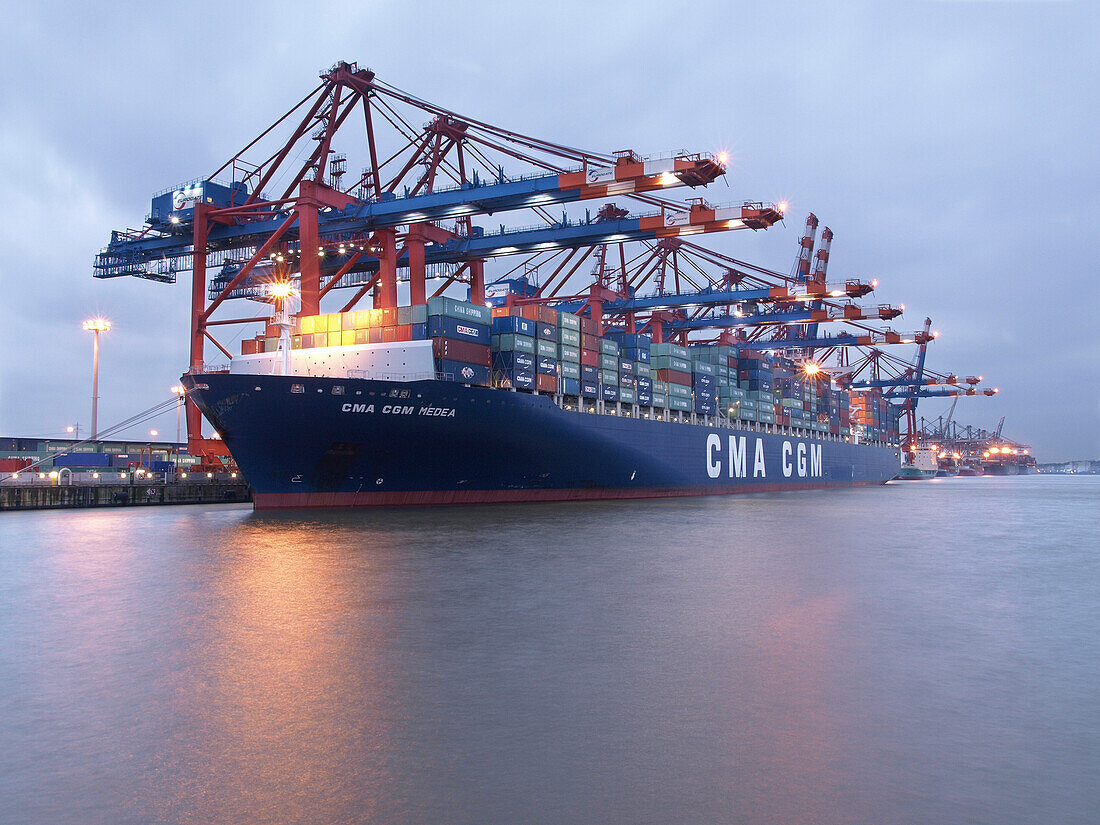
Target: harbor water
<point>923,652</point>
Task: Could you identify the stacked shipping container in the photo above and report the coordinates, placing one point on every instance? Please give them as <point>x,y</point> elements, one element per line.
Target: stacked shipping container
<point>538,348</point>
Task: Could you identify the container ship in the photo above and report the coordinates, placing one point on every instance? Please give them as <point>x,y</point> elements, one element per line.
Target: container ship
<point>472,404</point>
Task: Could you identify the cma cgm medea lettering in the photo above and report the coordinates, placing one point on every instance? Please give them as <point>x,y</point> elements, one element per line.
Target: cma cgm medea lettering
<point>452,402</point>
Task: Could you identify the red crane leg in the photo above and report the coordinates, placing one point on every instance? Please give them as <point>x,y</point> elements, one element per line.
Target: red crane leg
<point>309,236</point>
<point>595,312</point>
<point>418,290</point>
<point>198,306</point>
<point>387,282</point>
<point>477,282</point>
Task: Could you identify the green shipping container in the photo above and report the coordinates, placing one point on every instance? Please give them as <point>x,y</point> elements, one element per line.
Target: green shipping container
<point>674,350</point>
<point>642,369</point>
<point>670,362</point>
<point>681,404</point>
<point>660,387</point>
<point>702,368</point>
<point>463,310</point>
<point>567,320</point>
<point>626,395</point>
<point>545,348</point>
<point>660,399</point>
<point>679,391</point>
<point>609,347</point>
<point>510,342</point>
<point>570,337</point>
<point>570,369</point>
<point>609,378</point>
<point>609,362</point>
<point>567,353</point>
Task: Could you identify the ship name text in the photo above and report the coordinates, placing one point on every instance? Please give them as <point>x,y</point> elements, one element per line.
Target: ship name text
<point>799,459</point>
<point>400,409</point>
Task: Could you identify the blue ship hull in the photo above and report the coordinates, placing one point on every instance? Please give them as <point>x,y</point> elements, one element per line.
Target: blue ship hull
<point>328,442</point>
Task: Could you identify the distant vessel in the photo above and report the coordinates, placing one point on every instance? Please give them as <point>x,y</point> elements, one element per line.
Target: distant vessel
<point>921,464</point>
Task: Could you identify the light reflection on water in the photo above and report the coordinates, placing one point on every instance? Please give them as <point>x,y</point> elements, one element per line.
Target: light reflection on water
<point>915,653</point>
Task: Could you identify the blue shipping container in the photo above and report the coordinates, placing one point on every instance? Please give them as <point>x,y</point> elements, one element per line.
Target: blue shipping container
<point>644,384</point>
<point>609,392</point>
<point>443,326</point>
<point>589,373</point>
<point>513,323</point>
<point>419,332</point>
<point>641,340</point>
<point>464,373</point>
<point>704,382</point>
<point>570,386</point>
<point>520,379</point>
<point>590,389</point>
<point>513,361</point>
<point>636,354</point>
<point>547,365</point>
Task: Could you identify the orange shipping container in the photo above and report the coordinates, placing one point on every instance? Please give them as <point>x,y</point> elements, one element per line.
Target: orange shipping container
<point>546,383</point>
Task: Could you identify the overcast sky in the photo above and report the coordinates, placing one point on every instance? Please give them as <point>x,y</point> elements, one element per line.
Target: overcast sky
<point>951,146</point>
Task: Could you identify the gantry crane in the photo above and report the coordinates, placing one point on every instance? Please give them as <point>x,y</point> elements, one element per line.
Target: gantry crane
<point>288,212</point>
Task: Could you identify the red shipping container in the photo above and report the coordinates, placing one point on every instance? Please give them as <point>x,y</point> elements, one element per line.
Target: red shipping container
<point>590,357</point>
<point>528,311</point>
<point>546,383</point>
<point>14,465</point>
<point>501,312</point>
<point>362,336</point>
<point>673,377</point>
<point>404,332</point>
<point>548,315</point>
<point>389,316</point>
<point>589,327</point>
<point>389,334</point>
<point>467,352</point>
<point>590,341</point>
<point>374,335</point>
<point>250,346</point>
<point>271,330</point>
<point>307,340</point>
